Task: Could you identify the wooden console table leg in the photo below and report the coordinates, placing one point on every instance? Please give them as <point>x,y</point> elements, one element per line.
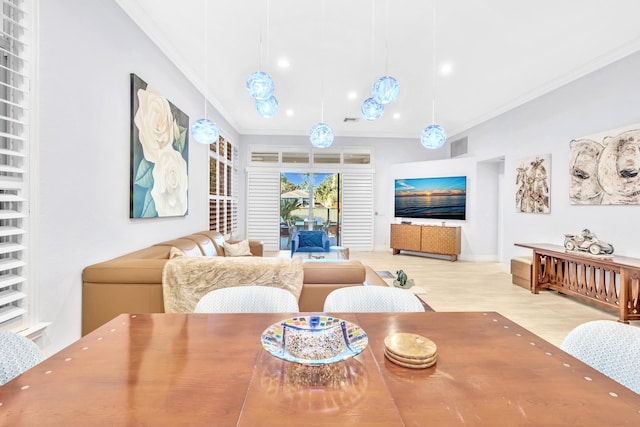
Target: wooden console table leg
<point>536,273</point>
<point>626,278</point>
<point>396,251</point>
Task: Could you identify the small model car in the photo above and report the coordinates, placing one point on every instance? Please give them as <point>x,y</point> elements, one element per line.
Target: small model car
<point>587,242</point>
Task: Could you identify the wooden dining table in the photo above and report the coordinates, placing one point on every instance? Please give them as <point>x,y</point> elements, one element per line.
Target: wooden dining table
<point>211,370</point>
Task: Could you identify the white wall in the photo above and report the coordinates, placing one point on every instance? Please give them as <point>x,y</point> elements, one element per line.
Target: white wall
<point>87,50</point>
<point>604,100</point>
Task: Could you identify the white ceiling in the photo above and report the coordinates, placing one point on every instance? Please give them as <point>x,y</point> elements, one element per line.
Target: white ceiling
<point>503,53</point>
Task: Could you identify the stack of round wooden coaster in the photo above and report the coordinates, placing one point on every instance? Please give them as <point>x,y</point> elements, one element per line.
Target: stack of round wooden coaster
<point>410,350</point>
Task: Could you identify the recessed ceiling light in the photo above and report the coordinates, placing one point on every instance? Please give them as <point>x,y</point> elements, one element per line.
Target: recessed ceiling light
<point>396,116</point>
<point>289,113</point>
<point>352,95</point>
<point>446,69</point>
<point>283,63</point>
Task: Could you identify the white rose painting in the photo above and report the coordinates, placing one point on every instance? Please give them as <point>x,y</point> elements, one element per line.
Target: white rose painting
<point>159,154</point>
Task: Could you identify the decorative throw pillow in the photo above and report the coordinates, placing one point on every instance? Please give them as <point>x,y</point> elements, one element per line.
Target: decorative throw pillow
<point>310,239</point>
<point>175,253</point>
<point>237,249</point>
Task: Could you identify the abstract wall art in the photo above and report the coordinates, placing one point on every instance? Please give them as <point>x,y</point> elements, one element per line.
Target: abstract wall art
<point>159,154</point>
<point>603,168</point>
<point>533,183</point>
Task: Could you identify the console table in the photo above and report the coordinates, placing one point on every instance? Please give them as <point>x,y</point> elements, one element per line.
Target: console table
<point>426,238</point>
<point>608,282</point>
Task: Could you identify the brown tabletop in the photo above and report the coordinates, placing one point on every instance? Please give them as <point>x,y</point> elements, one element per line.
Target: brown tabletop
<point>210,369</point>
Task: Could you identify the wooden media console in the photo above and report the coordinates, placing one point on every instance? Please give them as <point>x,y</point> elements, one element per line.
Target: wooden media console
<point>431,239</point>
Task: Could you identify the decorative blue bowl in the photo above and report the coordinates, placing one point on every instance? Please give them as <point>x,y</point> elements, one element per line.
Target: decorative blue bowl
<point>314,340</point>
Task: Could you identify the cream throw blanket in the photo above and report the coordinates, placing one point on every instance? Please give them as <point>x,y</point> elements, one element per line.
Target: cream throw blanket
<point>185,280</point>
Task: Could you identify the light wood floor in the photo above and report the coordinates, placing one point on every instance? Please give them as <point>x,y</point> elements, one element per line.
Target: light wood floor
<point>475,286</point>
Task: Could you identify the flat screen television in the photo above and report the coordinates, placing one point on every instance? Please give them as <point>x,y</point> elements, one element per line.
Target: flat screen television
<point>431,198</point>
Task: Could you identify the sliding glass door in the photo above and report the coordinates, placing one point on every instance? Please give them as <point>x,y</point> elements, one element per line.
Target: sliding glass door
<point>310,201</point>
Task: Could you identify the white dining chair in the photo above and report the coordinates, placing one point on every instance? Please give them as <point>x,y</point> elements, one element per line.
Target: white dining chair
<point>17,354</point>
<point>248,299</point>
<point>371,299</point>
<point>609,347</point>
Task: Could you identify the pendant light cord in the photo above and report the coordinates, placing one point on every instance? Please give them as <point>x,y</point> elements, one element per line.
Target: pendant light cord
<point>322,68</point>
<point>373,34</point>
<point>260,50</point>
<point>268,34</point>
<point>433,70</point>
<point>206,55</point>
<point>386,39</point>
<point>267,39</point>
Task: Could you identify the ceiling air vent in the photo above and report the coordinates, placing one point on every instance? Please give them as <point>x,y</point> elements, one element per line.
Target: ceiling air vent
<point>459,147</point>
<point>350,119</point>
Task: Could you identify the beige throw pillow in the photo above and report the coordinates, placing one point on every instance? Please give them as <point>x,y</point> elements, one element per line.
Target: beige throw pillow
<point>237,249</point>
<point>175,253</point>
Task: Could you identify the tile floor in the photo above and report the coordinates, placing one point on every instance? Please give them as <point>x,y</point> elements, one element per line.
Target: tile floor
<point>476,286</point>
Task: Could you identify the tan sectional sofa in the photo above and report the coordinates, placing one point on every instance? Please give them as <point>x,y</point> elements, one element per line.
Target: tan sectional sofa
<point>132,283</point>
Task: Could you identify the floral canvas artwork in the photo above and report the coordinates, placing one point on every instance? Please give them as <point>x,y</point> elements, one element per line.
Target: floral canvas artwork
<point>532,184</point>
<point>604,168</point>
<point>159,154</point>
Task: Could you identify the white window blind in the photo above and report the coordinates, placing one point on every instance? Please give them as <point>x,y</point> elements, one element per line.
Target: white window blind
<point>235,189</point>
<point>263,196</point>
<point>263,208</point>
<point>357,211</point>
<point>223,187</point>
<point>14,148</point>
<point>355,164</point>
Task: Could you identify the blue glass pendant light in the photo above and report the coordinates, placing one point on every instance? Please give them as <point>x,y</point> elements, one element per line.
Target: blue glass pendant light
<point>260,86</point>
<point>371,109</point>
<point>321,135</point>
<point>433,137</point>
<point>385,90</point>
<point>268,107</point>
<point>205,131</point>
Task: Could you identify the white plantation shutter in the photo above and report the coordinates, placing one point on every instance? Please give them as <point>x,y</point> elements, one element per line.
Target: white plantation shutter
<point>223,187</point>
<point>357,211</point>
<point>235,189</point>
<point>15,38</point>
<point>263,190</point>
<point>263,208</point>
